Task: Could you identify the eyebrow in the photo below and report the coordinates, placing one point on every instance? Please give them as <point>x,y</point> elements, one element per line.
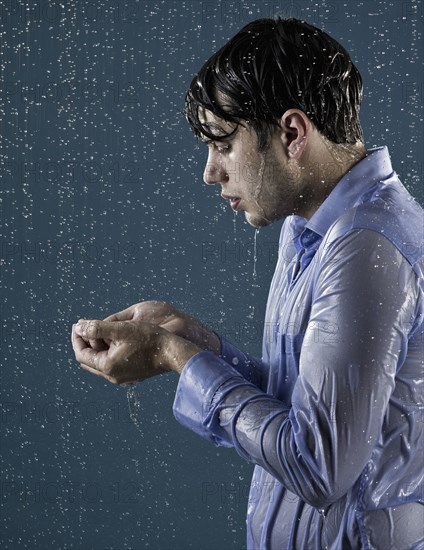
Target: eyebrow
<point>213,127</point>
<point>221,136</point>
<point>208,141</point>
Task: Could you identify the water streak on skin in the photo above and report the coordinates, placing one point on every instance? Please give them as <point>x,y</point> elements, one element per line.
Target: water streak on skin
<point>260,177</point>
<point>259,187</point>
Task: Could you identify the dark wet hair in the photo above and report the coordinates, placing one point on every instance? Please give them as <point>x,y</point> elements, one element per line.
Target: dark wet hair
<point>270,66</point>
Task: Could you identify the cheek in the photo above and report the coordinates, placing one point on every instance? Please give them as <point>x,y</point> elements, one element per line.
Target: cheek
<point>249,174</point>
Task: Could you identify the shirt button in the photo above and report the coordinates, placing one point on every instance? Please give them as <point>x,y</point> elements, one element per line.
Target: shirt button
<point>234,361</point>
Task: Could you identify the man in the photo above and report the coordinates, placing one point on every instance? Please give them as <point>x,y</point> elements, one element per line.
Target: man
<point>331,413</point>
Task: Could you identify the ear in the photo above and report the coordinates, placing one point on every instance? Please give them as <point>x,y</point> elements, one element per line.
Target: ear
<point>296,128</point>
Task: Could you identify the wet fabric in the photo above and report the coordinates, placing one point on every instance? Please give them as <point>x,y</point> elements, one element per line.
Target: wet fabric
<point>332,415</point>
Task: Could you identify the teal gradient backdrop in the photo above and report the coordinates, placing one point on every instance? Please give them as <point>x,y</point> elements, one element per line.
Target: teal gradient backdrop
<point>103,206</point>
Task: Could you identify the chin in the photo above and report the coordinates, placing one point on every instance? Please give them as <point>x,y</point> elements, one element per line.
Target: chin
<point>255,220</point>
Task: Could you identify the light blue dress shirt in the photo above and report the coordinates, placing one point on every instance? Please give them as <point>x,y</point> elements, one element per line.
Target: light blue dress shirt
<point>332,415</point>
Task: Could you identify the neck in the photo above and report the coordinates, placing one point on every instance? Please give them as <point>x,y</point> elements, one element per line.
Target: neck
<point>334,161</point>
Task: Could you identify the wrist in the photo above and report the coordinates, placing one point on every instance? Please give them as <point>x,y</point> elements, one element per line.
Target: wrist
<point>178,351</point>
<point>203,337</point>
<point>214,343</point>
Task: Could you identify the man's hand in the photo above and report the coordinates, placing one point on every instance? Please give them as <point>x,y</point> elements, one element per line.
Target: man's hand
<point>133,350</point>
<point>167,317</point>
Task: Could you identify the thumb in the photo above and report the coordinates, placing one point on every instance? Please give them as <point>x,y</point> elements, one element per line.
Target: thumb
<point>95,329</point>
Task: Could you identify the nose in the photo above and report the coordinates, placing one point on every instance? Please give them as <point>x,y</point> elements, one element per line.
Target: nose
<point>214,170</point>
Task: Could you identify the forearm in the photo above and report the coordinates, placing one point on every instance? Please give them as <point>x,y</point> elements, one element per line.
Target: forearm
<point>306,445</point>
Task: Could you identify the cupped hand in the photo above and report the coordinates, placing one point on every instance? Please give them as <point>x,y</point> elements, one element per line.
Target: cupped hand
<point>135,350</point>
<point>167,317</point>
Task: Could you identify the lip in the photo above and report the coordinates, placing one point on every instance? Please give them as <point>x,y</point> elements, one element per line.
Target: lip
<point>234,201</point>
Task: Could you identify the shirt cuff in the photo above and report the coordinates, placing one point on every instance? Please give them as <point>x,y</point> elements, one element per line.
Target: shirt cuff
<point>249,367</point>
<point>199,381</point>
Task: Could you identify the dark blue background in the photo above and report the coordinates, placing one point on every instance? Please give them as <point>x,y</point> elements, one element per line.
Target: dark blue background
<point>103,206</point>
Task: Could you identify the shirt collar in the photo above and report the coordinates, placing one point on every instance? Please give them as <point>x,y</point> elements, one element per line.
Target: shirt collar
<point>375,167</point>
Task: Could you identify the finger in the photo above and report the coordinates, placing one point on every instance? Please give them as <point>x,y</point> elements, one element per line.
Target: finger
<point>86,355</point>
<point>152,311</point>
<point>100,330</point>
<point>78,343</point>
<point>124,315</point>
<point>98,345</point>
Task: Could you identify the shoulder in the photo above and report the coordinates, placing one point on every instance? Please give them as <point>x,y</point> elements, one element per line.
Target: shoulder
<point>391,212</point>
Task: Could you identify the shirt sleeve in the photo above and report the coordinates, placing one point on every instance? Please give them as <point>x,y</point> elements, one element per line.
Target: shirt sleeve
<point>318,446</point>
<point>251,368</point>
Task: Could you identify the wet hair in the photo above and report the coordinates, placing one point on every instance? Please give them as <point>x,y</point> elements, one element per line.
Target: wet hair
<point>270,66</point>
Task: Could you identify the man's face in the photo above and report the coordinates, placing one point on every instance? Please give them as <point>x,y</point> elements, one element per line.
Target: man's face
<point>266,185</point>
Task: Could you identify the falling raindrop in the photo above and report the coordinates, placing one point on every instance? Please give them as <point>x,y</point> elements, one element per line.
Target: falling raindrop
<point>134,405</point>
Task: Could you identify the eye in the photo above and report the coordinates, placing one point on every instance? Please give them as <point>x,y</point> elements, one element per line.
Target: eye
<point>223,149</point>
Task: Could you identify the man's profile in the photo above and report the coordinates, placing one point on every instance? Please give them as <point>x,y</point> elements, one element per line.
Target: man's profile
<point>331,415</point>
